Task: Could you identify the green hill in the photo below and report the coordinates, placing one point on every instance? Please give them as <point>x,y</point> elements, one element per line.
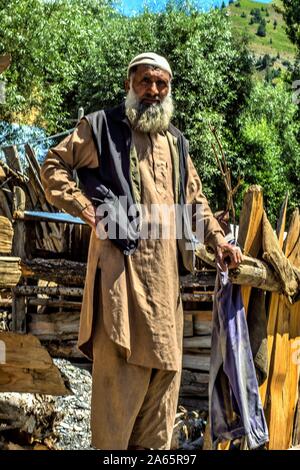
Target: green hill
<point>275,42</point>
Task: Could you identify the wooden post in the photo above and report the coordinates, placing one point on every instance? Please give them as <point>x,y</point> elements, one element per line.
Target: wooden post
<point>18,313</point>
<point>19,241</point>
<point>249,237</point>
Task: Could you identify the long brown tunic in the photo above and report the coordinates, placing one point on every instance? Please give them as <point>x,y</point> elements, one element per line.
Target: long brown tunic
<point>141,304</point>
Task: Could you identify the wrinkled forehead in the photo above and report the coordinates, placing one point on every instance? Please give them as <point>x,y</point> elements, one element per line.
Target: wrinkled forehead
<point>150,71</point>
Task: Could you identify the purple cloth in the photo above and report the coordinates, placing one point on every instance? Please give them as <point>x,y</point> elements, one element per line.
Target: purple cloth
<point>235,408</point>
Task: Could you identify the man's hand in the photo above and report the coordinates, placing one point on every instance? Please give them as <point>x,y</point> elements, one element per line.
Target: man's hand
<point>228,256</point>
<point>89,216</point>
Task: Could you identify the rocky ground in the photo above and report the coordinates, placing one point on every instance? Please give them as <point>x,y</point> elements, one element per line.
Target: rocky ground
<point>34,421</point>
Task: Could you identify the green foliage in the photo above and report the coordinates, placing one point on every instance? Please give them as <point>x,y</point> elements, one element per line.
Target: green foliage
<point>49,43</point>
<point>292,18</point>
<point>256,15</point>
<point>270,141</point>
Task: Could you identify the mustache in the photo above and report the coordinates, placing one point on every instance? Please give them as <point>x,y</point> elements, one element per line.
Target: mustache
<point>152,116</point>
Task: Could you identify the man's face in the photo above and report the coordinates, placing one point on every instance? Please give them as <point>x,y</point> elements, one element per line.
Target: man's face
<point>150,85</point>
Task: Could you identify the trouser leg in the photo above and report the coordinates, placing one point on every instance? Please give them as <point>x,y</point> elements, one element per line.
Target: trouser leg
<point>118,392</point>
<point>154,424</point>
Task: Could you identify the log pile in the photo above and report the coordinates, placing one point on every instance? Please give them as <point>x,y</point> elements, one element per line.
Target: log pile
<point>197,297</point>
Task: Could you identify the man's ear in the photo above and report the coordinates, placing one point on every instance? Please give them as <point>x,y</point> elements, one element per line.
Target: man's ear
<point>127,85</point>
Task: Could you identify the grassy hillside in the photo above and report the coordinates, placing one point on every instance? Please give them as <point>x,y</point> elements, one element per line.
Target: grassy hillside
<point>276,41</point>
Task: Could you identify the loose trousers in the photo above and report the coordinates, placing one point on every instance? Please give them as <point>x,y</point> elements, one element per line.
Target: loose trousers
<point>131,405</point>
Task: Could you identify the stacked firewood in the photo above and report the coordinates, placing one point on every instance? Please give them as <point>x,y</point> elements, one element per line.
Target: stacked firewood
<point>197,297</point>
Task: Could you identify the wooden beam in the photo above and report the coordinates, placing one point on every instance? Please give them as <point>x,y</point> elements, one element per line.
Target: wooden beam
<point>55,291</point>
<point>19,242</point>
<point>18,313</point>
<point>58,270</point>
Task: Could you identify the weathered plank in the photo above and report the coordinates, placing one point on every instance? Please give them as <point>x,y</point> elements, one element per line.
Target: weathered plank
<point>6,235</point>
<point>28,367</point>
<point>281,391</point>
<point>249,237</point>
<point>53,326</point>
<point>10,271</point>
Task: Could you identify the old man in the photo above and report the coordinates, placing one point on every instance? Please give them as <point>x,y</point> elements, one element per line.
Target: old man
<point>132,319</point>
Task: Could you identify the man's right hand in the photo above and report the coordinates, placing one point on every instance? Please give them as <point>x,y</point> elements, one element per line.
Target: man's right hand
<point>89,216</point>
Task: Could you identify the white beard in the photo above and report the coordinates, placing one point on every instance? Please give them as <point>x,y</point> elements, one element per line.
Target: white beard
<point>144,118</point>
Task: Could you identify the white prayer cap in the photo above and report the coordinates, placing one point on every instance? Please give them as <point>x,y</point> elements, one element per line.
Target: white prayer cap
<point>150,58</point>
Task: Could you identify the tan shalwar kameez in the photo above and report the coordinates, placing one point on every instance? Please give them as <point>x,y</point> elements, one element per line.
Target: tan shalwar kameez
<point>131,318</point>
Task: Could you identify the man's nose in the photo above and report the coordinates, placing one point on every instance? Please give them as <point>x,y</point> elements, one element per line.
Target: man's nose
<point>153,89</point>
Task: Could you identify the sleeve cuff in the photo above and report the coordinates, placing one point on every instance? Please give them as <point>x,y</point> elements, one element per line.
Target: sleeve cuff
<point>78,205</point>
<point>216,239</point>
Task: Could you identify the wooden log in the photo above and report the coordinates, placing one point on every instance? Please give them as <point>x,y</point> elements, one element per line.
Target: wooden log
<point>199,279</point>
<point>197,342</point>
<point>58,270</point>
<point>55,303</point>
<point>5,302</point>
<point>251,271</point>
<point>6,235</point>
<point>202,322</point>
<point>197,296</point>
<point>28,367</point>
<point>54,291</point>
<point>188,325</point>
<point>196,362</point>
<point>54,326</point>
<point>10,271</point>
<point>194,384</point>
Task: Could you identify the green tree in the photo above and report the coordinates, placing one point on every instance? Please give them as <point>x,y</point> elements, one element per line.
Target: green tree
<point>292,18</point>
<point>269,133</point>
<point>261,30</point>
<point>49,43</point>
